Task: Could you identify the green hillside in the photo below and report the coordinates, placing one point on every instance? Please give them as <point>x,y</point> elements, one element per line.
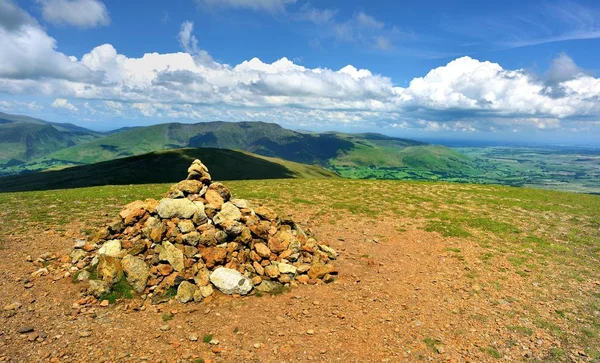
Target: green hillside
<point>24,138</point>
<point>164,167</point>
<point>257,137</point>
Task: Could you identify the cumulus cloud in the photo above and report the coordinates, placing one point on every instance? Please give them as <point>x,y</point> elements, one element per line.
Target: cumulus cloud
<point>465,94</point>
<point>28,52</point>
<point>272,6</point>
<point>63,103</point>
<point>79,13</point>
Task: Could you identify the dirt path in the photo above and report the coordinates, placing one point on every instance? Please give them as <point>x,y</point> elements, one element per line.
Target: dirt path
<point>401,296</point>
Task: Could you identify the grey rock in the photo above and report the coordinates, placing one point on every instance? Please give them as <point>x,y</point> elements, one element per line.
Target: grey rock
<point>83,276</point>
<point>77,255</point>
<point>110,248</point>
<point>174,256</point>
<point>136,272</point>
<point>230,281</point>
<point>98,287</point>
<point>185,292</point>
<point>240,203</point>
<point>268,286</point>
<point>330,252</point>
<point>176,208</point>
<point>285,268</point>
<point>229,212</point>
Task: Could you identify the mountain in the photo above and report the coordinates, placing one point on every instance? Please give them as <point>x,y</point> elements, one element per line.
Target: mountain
<point>366,155</point>
<point>25,138</point>
<point>165,167</point>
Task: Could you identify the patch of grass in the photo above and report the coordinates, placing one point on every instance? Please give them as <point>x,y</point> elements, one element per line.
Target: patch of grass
<point>167,317</point>
<point>431,343</point>
<point>521,330</point>
<point>490,225</point>
<point>207,338</point>
<point>302,201</point>
<point>120,290</point>
<point>171,292</point>
<point>557,353</point>
<point>491,351</point>
<point>280,289</point>
<point>453,249</point>
<point>446,229</point>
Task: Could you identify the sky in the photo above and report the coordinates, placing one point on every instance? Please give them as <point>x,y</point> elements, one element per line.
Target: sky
<point>474,70</point>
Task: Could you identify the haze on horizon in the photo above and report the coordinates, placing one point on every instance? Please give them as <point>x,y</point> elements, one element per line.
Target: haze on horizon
<point>432,70</point>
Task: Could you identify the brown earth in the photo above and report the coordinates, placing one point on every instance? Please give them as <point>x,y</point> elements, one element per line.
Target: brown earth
<point>400,296</point>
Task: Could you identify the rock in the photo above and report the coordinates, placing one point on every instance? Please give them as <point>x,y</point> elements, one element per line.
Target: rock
<point>165,327</point>
<point>109,268</point>
<point>77,255</point>
<point>192,238</point>
<point>330,252</point>
<point>110,248</point>
<point>266,213</point>
<point>319,270</point>
<point>240,203</point>
<point>213,256</point>
<point>98,287</point>
<point>83,275</point>
<point>214,198</point>
<point>262,250</point>
<point>189,186</point>
<point>206,291</point>
<point>136,272</point>
<point>285,268</point>
<point>272,271</point>
<point>137,248</point>
<point>85,334</point>
<point>268,286</point>
<point>202,277</point>
<point>79,243</point>
<point>104,303</point>
<point>186,226</point>
<point>229,212</point>
<point>131,208</point>
<point>230,281</point>
<point>280,241</point>
<point>176,208</point>
<point>173,255</point>
<point>310,332</point>
<point>25,329</point>
<point>185,292</point>
<point>164,269</point>
<point>13,306</point>
<point>193,338</point>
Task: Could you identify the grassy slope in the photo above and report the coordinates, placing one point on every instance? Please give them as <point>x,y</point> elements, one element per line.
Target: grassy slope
<point>24,138</point>
<point>548,241</point>
<point>163,167</point>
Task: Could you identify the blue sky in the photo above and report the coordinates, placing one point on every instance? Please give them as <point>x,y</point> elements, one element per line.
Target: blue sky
<point>463,69</point>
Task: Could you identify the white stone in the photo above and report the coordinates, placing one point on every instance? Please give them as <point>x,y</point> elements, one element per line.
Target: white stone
<point>111,248</point>
<point>176,208</point>
<point>230,281</point>
<point>285,268</point>
<point>229,212</point>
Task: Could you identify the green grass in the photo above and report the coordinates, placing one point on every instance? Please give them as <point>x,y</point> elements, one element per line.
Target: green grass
<point>491,351</point>
<point>431,343</point>
<point>521,330</point>
<point>120,290</point>
<point>207,338</point>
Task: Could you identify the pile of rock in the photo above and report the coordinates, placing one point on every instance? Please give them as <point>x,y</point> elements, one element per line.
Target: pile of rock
<point>198,237</point>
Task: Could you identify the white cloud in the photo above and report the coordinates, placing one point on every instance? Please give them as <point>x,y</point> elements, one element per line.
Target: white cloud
<point>63,103</point>
<point>79,13</point>
<point>272,6</point>
<point>359,28</point>
<point>464,94</point>
<point>29,53</point>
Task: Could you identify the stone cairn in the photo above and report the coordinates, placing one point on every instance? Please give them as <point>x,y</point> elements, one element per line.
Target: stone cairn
<point>198,237</point>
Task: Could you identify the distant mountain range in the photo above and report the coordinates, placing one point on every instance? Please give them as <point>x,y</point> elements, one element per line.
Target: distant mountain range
<point>25,138</point>
<point>29,145</point>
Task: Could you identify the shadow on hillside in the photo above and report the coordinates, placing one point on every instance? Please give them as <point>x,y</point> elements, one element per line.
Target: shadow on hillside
<point>158,167</point>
